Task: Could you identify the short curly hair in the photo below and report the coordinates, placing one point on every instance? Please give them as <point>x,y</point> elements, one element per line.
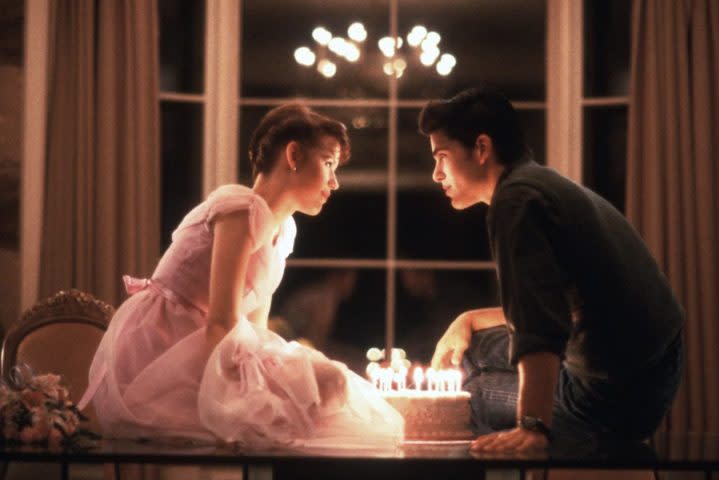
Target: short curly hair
<point>289,122</point>
<point>473,112</point>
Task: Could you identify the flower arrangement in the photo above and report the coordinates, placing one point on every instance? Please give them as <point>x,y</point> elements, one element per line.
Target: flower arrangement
<point>37,409</point>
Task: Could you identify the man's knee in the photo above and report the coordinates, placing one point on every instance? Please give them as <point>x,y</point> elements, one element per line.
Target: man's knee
<point>494,399</point>
<point>489,350</point>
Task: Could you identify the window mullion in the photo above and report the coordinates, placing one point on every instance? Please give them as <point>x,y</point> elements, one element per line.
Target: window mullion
<point>564,87</point>
<point>221,117</point>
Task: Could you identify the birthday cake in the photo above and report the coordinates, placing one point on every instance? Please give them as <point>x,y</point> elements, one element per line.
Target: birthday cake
<point>432,416</point>
<point>434,406</point>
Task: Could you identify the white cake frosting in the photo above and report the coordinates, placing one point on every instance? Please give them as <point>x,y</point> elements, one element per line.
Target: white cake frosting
<point>431,415</point>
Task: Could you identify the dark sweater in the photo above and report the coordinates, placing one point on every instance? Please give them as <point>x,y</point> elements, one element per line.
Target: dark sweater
<point>575,278</point>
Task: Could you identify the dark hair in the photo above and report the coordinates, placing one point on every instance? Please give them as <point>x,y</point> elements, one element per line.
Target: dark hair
<point>473,112</point>
<point>289,122</point>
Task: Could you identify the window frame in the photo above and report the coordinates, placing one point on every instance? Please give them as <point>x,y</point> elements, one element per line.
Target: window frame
<point>222,101</point>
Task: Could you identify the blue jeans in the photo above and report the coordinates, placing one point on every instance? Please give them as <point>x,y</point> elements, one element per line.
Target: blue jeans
<point>590,413</point>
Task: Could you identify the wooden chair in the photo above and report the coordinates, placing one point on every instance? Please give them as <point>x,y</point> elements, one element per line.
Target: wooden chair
<point>59,335</point>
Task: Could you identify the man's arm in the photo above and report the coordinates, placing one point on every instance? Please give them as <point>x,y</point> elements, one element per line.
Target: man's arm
<point>458,336</point>
<point>533,285</point>
<point>538,373</point>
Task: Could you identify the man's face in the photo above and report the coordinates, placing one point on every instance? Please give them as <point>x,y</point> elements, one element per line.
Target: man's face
<point>456,169</point>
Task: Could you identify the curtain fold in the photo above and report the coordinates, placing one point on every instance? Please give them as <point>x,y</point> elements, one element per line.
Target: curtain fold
<point>673,179</point>
<point>102,207</point>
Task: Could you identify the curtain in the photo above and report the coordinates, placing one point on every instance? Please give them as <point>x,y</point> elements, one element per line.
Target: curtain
<point>673,179</point>
<point>102,203</point>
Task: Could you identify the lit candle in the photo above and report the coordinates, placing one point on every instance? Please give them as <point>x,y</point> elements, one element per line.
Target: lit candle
<point>458,381</point>
<point>397,378</point>
<point>418,378</point>
<point>373,370</point>
<point>431,376</point>
<point>387,375</point>
<point>402,378</point>
<point>374,377</point>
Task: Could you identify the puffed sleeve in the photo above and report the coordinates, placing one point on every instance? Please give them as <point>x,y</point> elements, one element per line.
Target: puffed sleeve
<point>234,198</point>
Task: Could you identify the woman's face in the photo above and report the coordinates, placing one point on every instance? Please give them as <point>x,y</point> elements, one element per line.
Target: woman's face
<point>315,175</point>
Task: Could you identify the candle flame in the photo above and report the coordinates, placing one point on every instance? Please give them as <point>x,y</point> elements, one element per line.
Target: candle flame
<point>395,378</point>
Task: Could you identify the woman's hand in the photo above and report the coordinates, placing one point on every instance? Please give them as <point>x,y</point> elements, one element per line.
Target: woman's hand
<point>214,334</point>
<point>332,383</point>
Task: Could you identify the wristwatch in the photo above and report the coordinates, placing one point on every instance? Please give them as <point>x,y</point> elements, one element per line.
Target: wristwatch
<point>534,424</point>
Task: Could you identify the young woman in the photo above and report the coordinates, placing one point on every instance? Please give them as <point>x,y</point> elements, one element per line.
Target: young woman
<point>189,353</point>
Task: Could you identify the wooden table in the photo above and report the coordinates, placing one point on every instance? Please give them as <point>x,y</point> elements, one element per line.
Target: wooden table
<point>415,460</point>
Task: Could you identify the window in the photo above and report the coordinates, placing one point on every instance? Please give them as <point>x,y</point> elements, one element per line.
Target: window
<point>391,261</point>
<point>606,97</point>
<point>182,107</point>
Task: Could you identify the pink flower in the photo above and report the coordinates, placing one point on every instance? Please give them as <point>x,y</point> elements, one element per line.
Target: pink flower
<point>39,413</point>
<point>50,385</point>
<point>28,435</point>
<point>55,438</point>
<point>32,398</point>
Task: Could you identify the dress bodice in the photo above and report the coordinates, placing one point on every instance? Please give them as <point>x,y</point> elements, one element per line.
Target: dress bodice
<point>185,267</point>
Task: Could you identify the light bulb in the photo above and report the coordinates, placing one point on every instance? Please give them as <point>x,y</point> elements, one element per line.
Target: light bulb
<point>386,46</point>
<point>327,68</point>
<point>304,56</point>
<point>321,35</point>
<point>357,32</point>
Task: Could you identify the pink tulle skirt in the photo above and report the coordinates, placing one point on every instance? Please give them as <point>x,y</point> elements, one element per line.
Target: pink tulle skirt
<point>153,375</point>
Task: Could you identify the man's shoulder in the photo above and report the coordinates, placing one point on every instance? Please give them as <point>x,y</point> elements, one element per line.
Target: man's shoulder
<point>535,176</point>
<point>532,181</point>
<point>524,183</point>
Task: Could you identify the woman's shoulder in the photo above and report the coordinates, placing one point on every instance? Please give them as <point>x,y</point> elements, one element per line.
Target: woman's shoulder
<point>228,199</point>
<point>232,197</point>
<point>232,191</point>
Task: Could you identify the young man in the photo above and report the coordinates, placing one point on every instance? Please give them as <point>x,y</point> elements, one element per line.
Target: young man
<point>586,346</point>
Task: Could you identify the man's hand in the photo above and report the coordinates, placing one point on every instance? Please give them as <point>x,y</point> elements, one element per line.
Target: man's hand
<point>453,343</point>
<point>515,440</point>
<point>458,336</point>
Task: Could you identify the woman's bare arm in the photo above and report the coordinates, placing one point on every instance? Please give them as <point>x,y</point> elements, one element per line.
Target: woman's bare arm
<point>231,250</point>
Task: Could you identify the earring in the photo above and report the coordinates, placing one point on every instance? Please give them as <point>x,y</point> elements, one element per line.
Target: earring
<point>294,169</point>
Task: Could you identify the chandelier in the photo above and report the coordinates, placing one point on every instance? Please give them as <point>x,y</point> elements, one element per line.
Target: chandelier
<point>332,51</point>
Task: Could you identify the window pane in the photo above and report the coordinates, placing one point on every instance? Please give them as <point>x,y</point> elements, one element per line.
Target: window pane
<point>182,45</point>
<point>606,47</point>
<point>181,162</point>
<point>11,142</point>
<point>534,126</point>
<point>429,300</point>
<point>605,152</point>
<point>501,43</point>
<point>429,228</point>
<point>340,311</point>
<point>273,29</point>
<point>353,224</point>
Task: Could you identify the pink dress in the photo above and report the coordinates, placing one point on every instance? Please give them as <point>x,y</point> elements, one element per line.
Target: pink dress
<point>152,374</point>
